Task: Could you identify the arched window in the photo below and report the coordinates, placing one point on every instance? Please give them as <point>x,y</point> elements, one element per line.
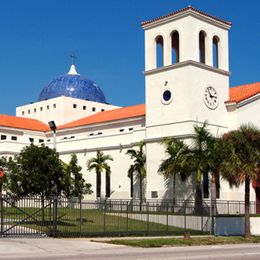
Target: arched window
<point>215,52</point>
<point>202,52</point>
<point>175,47</point>
<point>159,51</point>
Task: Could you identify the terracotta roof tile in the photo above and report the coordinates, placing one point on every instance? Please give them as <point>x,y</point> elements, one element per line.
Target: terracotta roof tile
<point>107,116</point>
<point>185,9</point>
<point>22,123</point>
<point>240,93</point>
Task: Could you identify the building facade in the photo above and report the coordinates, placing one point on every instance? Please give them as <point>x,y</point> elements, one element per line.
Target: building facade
<point>186,83</point>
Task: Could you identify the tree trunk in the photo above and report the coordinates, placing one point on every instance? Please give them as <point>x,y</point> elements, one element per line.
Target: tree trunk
<point>198,200</point>
<point>141,191</point>
<point>1,198</point>
<point>198,195</point>
<point>213,194</point>
<point>174,191</point>
<point>247,208</point>
<point>1,195</point>
<point>43,214</point>
<point>174,188</point>
<point>98,185</point>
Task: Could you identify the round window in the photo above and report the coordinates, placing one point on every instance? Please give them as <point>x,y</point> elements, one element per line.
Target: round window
<point>167,95</point>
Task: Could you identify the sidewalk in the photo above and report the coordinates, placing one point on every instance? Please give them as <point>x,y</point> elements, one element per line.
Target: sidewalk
<point>33,248</point>
<point>77,249</point>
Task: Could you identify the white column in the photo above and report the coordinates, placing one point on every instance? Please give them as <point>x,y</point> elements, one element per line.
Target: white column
<point>209,50</point>
<point>150,52</point>
<point>167,51</point>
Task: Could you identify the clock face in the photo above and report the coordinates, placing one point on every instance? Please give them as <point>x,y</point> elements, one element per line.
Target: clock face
<point>210,97</point>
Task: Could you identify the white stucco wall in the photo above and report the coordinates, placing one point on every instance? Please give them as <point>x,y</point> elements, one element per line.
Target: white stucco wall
<point>188,28</point>
<point>112,142</point>
<point>249,113</point>
<point>61,109</point>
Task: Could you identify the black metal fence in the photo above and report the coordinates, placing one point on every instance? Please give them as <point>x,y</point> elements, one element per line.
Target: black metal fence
<point>62,217</point>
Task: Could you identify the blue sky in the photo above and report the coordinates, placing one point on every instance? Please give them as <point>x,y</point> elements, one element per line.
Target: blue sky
<point>38,36</point>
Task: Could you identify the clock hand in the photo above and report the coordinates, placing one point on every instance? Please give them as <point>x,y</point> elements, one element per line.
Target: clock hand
<point>212,94</point>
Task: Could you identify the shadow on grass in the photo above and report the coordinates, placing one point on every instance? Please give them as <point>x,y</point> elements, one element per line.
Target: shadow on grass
<point>49,223</point>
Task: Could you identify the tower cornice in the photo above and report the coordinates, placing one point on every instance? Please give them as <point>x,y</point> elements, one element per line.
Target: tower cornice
<point>188,11</point>
<point>187,63</point>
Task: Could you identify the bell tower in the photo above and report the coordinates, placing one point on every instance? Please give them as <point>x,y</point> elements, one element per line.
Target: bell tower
<point>186,72</point>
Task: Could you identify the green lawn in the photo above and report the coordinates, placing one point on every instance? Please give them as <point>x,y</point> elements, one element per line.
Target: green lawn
<point>195,241</point>
<point>94,221</point>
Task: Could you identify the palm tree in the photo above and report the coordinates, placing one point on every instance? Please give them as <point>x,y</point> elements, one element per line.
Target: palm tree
<point>138,166</point>
<point>243,163</point>
<point>176,162</point>
<point>99,165</point>
<point>198,159</point>
<point>217,152</point>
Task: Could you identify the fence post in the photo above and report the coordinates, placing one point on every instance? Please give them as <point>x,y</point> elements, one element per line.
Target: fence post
<point>201,222</point>
<point>167,218</point>
<point>54,216</point>
<point>147,209</point>
<point>80,216</point>
<point>105,208</point>
<point>185,227</point>
<point>127,216</point>
<point>213,221</point>
<point>2,215</point>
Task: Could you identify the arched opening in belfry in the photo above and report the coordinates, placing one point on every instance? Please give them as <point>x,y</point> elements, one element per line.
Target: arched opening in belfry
<point>175,47</point>
<point>159,51</point>
<point>202,49</point>
<point>216,52</point>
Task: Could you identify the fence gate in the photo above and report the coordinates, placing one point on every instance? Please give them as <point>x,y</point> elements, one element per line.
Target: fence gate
<point>26,217</point>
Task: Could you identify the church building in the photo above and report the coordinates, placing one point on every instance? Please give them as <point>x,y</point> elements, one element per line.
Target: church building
<point>186,83</point>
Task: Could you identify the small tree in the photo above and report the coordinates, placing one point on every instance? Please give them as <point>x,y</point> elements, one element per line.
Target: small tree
<point>139,165</point>
<point>243,163</point>
<point>77,185</point>
<point>37,170</point>
<point>3,178</point>
<point>176,162</point>
<point>99,164</point>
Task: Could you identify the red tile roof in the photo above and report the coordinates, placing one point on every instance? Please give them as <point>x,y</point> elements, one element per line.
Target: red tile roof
<point>185,9</point>
<point>22,123</point>
<point>107,116</point>
<point>240,93</point>
<point>236,94</point>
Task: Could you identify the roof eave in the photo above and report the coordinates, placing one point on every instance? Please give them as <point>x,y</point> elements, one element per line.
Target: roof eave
<point>248,100</point>
<point>242,102</point>
<point>183,13</point>
<point>96,124</point>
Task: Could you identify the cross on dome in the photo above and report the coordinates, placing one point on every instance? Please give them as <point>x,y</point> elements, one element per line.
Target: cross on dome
<point>73,58</point>
<point>72,70</point>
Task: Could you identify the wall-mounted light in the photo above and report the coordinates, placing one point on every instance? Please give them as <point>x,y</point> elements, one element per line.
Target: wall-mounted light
<point>53,127</point>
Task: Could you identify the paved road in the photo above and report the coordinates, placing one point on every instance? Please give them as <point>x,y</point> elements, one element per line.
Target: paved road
<point>47,248</point>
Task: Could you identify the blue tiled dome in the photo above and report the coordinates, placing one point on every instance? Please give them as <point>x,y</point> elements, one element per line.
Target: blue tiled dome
<point>73,85</point>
